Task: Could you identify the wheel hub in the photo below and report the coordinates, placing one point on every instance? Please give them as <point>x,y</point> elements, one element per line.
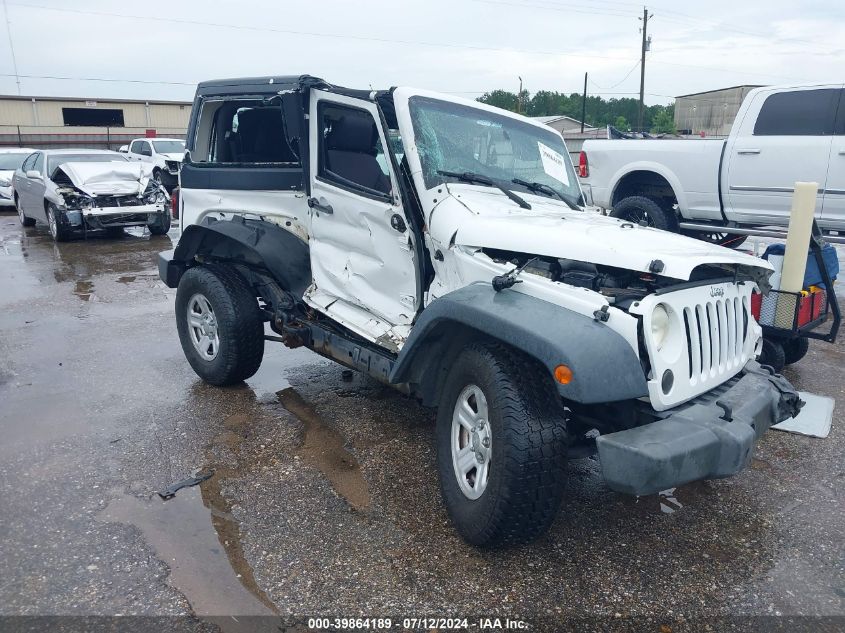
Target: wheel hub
<point>202,327</point>
<point>472,442</point>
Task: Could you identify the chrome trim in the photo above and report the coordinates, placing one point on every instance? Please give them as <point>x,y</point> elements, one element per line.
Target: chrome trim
<point>767,189</point>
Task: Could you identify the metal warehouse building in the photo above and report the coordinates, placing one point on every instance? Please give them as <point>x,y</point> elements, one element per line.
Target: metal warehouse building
<point>710,112</point>
<point>51,122</point>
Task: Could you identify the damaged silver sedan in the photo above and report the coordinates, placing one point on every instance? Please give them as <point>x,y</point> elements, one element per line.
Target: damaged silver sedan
<point>77,191</point>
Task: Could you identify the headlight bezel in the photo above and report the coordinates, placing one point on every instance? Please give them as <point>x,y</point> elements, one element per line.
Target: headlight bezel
<point>661,324</point>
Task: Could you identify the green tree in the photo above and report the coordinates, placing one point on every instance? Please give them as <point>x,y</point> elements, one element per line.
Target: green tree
<point>663,122</point>
<point>622,124</point>
<point>500,99</point>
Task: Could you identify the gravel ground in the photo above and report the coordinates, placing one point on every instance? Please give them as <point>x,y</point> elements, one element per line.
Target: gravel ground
<point>324,498</point>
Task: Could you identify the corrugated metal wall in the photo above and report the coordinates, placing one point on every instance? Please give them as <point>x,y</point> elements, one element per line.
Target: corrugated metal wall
<point>710,112</point>
<point>39,122</point>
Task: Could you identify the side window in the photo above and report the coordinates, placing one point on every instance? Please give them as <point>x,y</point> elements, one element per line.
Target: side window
<point>39,162</point>
<point>798,113</point>
<point>350,153</point>
<point>28,163</point>
<point>144,148</point>
<point>246,132</point>
<point>135,148</point>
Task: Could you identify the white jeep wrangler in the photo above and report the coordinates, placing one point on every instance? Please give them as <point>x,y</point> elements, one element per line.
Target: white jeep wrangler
<point>438,245</point>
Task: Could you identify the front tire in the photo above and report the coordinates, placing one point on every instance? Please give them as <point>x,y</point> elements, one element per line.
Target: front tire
<point>58,231</point>
<point>501,447</point>
<point>219,323</point>
<point>641,210</point>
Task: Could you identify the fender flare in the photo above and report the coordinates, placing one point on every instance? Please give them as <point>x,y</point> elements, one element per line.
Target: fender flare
<point>605,367</point>
<point>655,168</point>
<point>251,242</point>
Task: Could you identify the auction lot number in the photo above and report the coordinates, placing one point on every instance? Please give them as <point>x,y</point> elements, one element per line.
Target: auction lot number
<point>387,623</point>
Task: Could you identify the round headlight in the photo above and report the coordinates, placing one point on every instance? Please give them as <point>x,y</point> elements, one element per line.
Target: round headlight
<point>659,326</point>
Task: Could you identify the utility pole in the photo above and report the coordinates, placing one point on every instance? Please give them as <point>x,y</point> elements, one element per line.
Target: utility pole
<point>645,47</point>
<point>519,98</point>
<point>584,104</point>
<point>11,46</point>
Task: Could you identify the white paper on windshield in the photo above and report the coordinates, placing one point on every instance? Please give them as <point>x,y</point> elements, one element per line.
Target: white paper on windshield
<point>553,163</point>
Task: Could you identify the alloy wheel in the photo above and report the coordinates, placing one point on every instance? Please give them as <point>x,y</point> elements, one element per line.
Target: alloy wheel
<point>471,441</point>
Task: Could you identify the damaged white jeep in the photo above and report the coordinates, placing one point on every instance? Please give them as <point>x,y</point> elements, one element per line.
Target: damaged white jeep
<point>76,191</point>
<point>438,245</point>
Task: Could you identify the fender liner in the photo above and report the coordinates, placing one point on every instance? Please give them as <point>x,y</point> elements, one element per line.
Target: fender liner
<point>252,242</point>
<point>604,366</point>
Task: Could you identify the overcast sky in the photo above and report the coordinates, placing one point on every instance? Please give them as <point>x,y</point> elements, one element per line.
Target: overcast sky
<point>160,49</point>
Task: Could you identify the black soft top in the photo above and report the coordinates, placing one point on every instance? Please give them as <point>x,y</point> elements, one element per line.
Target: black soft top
<point>273,85</point>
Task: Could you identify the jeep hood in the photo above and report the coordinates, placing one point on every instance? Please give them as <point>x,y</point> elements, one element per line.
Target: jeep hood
<point>112,178</point>
<point>485,218</point>
<point>177,156</point>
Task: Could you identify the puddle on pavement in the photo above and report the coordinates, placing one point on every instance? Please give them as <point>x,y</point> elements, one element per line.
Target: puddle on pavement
<point>200,565</point>
<point>126,279</point>
<point>323,448</point>
<point>84,290</point>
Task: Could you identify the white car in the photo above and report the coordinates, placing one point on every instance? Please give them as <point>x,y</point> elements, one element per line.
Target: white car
<point>782,134</point>
<point>10,160</point>
<point>74,191</point>
<point>164,154</point>
<point>457,265</point>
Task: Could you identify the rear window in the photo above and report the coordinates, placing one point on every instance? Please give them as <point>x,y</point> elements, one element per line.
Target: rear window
<point>798,113</point>
<point>243,132</point>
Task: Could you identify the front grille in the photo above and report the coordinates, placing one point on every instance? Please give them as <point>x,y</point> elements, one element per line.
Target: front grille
<point>711,337</point>
<point>716,331</point>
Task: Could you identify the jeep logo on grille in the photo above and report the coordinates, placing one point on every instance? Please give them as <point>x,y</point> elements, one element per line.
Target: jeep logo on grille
<point>716,291</point>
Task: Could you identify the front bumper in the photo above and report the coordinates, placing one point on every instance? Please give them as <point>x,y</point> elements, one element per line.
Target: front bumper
<point>705,439</point>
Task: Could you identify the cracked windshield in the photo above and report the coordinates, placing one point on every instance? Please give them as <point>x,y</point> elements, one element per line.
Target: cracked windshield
<point>458,138</point>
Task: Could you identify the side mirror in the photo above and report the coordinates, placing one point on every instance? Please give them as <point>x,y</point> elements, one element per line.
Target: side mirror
<point>34,175</point>
<point>123,149</point>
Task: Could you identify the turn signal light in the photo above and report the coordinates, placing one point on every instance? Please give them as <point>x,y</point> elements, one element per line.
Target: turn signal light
<point>563,374</point>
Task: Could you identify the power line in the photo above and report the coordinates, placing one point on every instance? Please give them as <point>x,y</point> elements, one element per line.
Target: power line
<point>104,79</point>
<point>621,81</point>
<point>344,36</point>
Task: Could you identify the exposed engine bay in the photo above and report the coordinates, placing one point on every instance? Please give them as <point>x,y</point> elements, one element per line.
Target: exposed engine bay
<point>620,286</point>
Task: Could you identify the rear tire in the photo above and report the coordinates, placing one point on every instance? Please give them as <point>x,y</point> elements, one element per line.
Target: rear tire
<point>25,221</point>
<point>641,209</point>
<point>224,339</point>
<point>773,355</point>
<point>512,493</point>
<point>796,349</point>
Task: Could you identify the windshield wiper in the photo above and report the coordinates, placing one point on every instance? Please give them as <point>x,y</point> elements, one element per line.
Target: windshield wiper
<point>472,177</point>
<point>539,187</point>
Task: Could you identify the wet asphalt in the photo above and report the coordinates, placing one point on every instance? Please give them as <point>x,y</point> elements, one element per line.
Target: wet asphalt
<point>324,499</point>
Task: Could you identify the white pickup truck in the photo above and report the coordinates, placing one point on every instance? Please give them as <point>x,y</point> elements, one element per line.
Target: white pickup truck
<point>702,186</point>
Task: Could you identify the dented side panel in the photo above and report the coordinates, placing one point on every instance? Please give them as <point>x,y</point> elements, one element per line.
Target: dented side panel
<point>357,256</point>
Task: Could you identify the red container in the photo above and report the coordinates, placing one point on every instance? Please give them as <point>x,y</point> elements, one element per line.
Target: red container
<point>756,303</point>
<point>810,308</point>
